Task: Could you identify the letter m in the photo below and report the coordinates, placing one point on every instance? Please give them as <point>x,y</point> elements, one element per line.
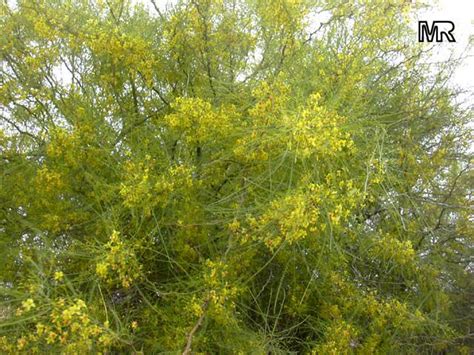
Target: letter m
<point>424,31</point>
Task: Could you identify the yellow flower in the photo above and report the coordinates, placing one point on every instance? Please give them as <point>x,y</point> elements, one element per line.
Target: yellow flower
<point>105,339</point>
<point>40,328</point>
<point>101,270</point>
<point>115,237</point>
<point>51,337</point>
<point>21,343</point>
<point>28,304</point>
<point>234,226</point>
<point>58,275</point>
<point>134,325</point>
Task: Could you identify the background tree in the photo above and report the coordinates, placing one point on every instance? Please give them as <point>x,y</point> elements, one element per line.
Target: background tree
<point>230,176</point>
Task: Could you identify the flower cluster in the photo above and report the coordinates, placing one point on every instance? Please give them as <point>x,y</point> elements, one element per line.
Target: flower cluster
<point>391,250</point>
<point>310,132</point>
<point>48,180</point>
<point>142,188</point>
<point>120,264</point>
<point>69,327</point>
<point>220,295</point>
<point>340,339</point>
<point>196,121</point>
<point>307,211</point>
<point>131,52</point>
<point>316,131</point>
<point>64,146</point>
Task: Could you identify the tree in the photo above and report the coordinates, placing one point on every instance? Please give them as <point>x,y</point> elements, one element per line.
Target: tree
<point>230,176</point>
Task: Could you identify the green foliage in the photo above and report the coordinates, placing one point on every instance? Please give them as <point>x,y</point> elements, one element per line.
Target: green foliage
<point>230,176</point>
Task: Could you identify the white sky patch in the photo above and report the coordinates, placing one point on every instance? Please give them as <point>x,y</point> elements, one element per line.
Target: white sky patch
<point>461,13</point>
<point>162,5</point>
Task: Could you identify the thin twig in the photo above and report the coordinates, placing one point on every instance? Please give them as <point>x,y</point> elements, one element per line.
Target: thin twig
<point>187,349</point>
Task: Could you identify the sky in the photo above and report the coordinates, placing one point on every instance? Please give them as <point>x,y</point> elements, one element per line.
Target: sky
<point>461,13</point>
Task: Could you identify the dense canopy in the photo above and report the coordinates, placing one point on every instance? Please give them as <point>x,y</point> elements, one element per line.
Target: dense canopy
<point>230,176</point>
